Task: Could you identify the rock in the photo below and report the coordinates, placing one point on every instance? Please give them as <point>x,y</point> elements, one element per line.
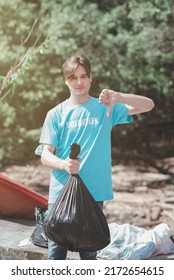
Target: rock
<point>141,189</point>
<point>155,213</point>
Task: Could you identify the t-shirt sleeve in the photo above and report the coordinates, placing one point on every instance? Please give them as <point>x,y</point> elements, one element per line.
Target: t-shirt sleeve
<point>50,131</point>
<point>120,115</point>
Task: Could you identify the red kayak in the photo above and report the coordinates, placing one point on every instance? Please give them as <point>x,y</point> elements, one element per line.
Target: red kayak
<point>18,201</point>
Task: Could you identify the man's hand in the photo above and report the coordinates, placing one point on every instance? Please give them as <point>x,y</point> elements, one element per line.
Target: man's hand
<point>136,103</point>
<point>72,166</point>
<point>109,98</point>
<point>49,159</point>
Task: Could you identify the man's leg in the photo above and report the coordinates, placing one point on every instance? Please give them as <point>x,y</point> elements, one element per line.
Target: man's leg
<point>88,255</point>
<point>56,252</point>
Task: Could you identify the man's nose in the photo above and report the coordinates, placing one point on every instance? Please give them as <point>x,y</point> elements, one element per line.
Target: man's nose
<point>79,81</point>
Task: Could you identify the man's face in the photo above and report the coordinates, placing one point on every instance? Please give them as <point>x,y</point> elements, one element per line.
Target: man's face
<point>79,83</point>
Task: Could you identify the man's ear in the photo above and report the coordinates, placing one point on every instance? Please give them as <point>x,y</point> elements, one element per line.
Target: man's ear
<point>90,77</point>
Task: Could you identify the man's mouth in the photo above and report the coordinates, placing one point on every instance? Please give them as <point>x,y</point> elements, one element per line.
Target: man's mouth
<point>79,88</point>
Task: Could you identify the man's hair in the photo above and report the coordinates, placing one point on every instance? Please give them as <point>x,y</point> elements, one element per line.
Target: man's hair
<point>71,64</point>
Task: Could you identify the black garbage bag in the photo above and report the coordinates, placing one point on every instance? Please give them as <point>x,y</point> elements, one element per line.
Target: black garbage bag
<point>38,236</point>
<point>76,222</point>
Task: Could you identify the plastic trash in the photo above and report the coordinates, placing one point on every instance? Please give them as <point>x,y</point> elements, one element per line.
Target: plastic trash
<point>76,222</point>
<point>136,243</point>
<point>38,236</point>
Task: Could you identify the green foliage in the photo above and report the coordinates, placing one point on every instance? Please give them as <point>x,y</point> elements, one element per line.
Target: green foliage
<point>130,45</point>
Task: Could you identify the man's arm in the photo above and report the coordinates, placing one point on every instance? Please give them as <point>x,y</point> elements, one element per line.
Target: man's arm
<point>136,103</point>
<point>48,158</point>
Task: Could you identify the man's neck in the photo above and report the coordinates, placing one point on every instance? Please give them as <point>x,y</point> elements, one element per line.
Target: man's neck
<point>78,100</point>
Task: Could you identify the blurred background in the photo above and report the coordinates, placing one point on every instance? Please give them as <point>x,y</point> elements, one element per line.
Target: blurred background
<point>131,48</point>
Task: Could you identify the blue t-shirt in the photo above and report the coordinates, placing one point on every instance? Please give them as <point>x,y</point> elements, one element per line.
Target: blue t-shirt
<point>88,125</point>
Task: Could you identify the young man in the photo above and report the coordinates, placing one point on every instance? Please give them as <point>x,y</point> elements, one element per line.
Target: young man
<point>87,121</point>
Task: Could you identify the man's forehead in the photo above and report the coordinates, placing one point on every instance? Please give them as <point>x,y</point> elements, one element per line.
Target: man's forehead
<point>80,71</point>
